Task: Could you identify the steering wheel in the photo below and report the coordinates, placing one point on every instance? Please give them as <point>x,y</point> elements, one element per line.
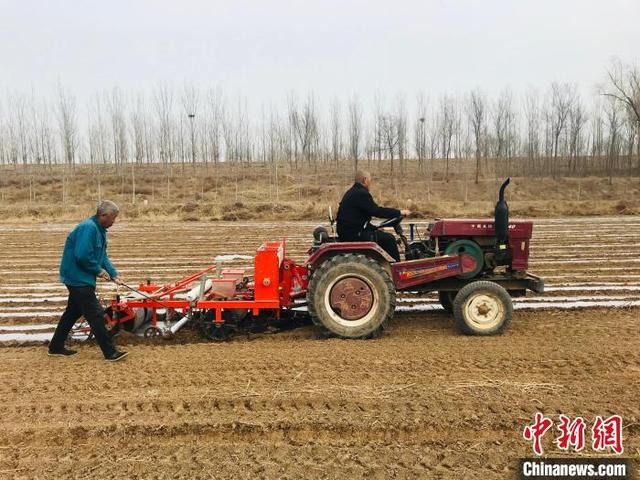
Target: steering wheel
<point>395,224</point>
<point>391,222</point>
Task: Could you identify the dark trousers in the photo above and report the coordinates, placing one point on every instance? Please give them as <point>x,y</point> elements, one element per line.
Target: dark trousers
<point>83,303</point>
<point>386,240</point>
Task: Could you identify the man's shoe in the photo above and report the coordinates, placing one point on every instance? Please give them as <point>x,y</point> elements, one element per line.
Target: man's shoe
<point>62,353</point>
<point>115,356</point>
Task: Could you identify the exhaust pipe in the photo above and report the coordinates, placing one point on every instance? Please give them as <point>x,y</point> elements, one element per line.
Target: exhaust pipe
<point>501,218</point>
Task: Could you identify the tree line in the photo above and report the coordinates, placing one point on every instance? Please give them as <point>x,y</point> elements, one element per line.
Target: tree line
<point>550,132</point>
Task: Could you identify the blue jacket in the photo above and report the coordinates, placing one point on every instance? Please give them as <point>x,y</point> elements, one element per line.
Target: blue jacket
<point>85,255</point>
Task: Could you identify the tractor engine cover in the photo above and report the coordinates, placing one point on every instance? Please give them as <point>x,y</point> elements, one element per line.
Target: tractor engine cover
<point>482,231</point>
<point>481,227</point>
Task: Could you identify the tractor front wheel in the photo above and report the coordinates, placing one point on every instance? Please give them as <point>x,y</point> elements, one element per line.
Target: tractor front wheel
<point>482,308</point>
<point>351,296</point>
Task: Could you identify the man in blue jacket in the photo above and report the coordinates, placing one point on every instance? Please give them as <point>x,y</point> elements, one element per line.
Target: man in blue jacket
<point>84,258</point>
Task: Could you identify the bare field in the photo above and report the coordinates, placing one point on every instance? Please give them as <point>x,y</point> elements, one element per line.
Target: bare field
<point>422,401</point>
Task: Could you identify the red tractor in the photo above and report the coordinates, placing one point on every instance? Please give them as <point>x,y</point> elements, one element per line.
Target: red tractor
<point>475,265</point>
<point>350,289</point>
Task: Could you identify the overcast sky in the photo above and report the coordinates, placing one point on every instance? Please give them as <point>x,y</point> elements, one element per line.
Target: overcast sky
<point>264,49</point>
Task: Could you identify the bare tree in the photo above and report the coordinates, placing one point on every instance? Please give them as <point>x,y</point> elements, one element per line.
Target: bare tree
<point>12,143</point>
<point>98,131</point>
<point>512,139</point>
<point>43,139</point>
<point>461,147</point>
<point>614,121</point>
<point>390,137</point>
<point>624,87</point>
<point>4,156</point>
<point>190,100</point>
<point>336,131</point>
<point>401,130</point>
<point>532,142</point>
<point>420,132</point>
<point>305,124</point>
<point>215,113</point>
<point>476,112</point>
<point>597,129</point>
<point>116,106</point>
<point>18,108</point>
<point>137,130</point>
<point>292,117</point>
<point>67,124</point>
<point>377,142</point>
<point>433,135</point>
<point>577,122</point>
<point>235,132</point>
<point>276,138</point>
<point>447,129</point>
<point>230,136</point>
<point>547,118</point>
<point>503,119</point>
<point>562,99</point>
<point>630,134</point>
<point>163,101</point>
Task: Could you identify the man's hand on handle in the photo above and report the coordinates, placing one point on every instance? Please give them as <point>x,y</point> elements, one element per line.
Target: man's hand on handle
<point>105,276</point>
<point>405,213</point>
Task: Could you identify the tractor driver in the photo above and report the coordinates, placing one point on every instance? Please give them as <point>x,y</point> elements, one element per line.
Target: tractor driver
<point>355,211</point>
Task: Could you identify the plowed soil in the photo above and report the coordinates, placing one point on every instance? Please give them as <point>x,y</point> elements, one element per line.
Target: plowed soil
<point>421,401</point>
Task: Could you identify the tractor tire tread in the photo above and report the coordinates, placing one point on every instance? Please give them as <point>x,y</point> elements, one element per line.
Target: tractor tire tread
<point>334,262</point>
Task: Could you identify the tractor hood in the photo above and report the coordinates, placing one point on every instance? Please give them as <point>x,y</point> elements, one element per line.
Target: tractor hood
<point>479,227</point>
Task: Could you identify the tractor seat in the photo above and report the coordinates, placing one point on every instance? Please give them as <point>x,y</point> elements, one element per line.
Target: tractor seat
<point>320,235</point>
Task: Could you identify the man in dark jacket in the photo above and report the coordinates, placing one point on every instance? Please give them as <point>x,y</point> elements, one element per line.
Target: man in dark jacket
<point>84,258</point>
<point>355,211</point>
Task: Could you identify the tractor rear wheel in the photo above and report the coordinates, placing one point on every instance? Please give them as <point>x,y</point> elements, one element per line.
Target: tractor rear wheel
<point>351,296</point>
<point>482,308</point>
<point>446,300</point>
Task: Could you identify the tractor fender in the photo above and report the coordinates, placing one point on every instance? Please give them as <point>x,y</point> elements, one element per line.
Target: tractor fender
<point>368,249</point>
